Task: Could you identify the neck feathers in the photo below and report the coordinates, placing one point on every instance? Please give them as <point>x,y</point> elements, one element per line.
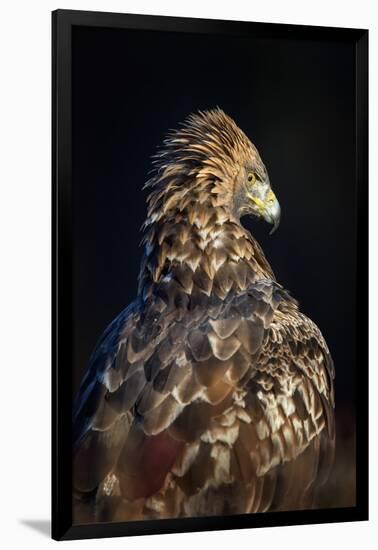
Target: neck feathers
<point>202,249</point>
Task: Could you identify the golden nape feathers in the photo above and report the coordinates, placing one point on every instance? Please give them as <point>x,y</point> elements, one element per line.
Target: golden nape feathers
<point>211,393</point>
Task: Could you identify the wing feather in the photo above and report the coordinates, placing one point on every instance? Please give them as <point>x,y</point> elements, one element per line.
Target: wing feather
<point>244,381</point>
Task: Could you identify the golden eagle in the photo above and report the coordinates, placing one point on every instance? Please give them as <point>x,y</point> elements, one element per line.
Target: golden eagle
<point>211,393</point>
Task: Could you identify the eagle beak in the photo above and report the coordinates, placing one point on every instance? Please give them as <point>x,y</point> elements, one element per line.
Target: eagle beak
<point>269,209</point>
<point>272,211</point>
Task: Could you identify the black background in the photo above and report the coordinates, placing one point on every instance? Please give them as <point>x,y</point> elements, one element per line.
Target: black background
<point>294,99</point>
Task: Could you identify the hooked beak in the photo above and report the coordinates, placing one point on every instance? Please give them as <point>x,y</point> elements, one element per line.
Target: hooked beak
<point>269,209</point>
<point>272,211</point>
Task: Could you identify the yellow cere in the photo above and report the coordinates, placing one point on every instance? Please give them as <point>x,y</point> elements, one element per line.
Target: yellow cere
<point>270,197</point>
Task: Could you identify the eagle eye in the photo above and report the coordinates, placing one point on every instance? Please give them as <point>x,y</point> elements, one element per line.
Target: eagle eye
<point>251,177</point>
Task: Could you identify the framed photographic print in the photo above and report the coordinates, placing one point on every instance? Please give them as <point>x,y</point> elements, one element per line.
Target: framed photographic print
<point>210,364</point>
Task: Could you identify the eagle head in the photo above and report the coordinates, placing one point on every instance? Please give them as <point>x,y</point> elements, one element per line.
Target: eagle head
<point>210,159</point>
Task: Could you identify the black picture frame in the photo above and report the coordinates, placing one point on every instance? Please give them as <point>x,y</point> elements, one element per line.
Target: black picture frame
<point>63,22</point>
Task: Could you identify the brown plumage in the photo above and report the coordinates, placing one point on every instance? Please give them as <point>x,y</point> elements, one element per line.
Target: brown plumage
<point>211,393</point>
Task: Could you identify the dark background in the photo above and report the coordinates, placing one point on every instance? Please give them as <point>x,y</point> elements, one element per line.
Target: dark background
<point>294,99</point>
